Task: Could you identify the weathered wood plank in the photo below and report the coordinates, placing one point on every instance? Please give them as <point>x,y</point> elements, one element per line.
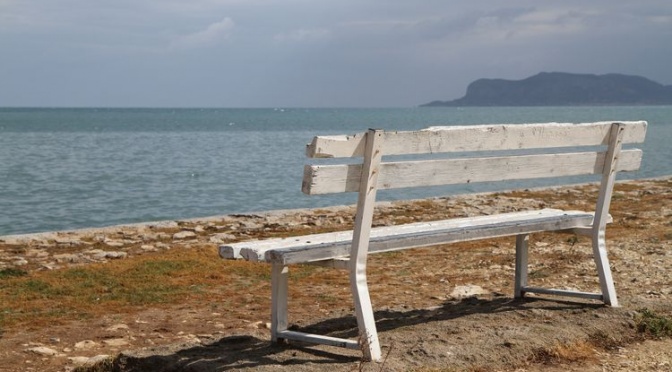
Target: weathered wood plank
<point>387,238</point>
<point>359,287</point>
<point>325,179</point>
<point>255,250</point>
<point>478,138</point>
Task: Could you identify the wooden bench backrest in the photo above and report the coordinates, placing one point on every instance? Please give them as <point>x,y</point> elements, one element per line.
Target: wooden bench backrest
<point>323,179</point>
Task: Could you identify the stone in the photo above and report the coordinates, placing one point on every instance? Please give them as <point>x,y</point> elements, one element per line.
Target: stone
<point>43,350</point>
<point>86,344</point>
<point>163,225</point>
<point>79,361</point>
<point>117,327</point>
<point>221,238</point>
<point>98,358</point>
<point>67,258</point>
<point>116,342</point>
<point>465,291</point>
<point>184,235</point>
<point>109,254</point>
<point>148,248</point>
<point>114,243</point>
<point>20,262</point>
<point>67,241</point>
<point>116,255</point>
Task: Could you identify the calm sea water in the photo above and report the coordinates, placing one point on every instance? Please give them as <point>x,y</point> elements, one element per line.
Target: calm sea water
<point>73,168</point>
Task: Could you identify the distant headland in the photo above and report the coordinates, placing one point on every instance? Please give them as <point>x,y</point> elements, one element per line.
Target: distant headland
<point>563,89</point>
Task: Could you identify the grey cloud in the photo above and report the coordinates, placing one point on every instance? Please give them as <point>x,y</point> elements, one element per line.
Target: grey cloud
<point>312,53</point>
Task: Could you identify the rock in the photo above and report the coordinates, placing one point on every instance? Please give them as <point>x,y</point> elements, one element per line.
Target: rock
<point>221,238</point>
<point>465,291</point>
<point>37,253</point>
<point>184,235</point>
<point>79,361</point>
<point>98,358</point>
<point>67,241</point>
<point>163,225</point>
<point>113,243</point>
<point>67,258</point>
<point>162,245</point>
<point>251,225</point>
<point>109,254</point>
<point>117,327</point>
<point>148,248</point>
<point>116,342</point>
<point>43,350</point>
<point>86,344</point>
<point>20,262</point>
<point>116,255</point>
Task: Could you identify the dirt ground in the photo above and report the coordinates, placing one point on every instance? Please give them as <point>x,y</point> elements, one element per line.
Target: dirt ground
<point>423,324</point>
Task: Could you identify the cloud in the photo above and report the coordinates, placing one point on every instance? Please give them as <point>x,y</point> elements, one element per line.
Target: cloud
<point>214,34</point>
<point>302,35</point>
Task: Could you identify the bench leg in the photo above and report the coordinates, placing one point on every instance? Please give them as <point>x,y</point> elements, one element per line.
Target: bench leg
<point>368,335</point>
<point>522,242</point>
<point>279,276</point>
<point>603,269</point>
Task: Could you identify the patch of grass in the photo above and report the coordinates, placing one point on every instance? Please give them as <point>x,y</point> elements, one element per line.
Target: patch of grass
<point>538,274</point>
<point>605,341</point>
<point>652,324</point>
<point>12,272</point>
<point>119,286</point>
<point>573,352</point>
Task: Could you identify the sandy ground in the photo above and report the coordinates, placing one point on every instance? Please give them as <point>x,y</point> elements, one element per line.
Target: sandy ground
<point>423,324</point>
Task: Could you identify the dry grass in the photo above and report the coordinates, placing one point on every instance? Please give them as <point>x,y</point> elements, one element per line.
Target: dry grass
<point>44,297</point>
<point>572,352</point>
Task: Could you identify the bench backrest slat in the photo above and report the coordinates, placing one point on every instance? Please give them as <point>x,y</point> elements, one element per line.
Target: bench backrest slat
<point>325,179</point>
<point>488,153</point>
<point>477,138</point>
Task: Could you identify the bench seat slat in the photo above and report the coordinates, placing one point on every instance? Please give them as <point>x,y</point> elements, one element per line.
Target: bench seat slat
<point>389,238</point>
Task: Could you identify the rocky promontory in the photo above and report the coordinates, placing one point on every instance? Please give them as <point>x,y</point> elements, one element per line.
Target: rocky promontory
<point>563,89</point>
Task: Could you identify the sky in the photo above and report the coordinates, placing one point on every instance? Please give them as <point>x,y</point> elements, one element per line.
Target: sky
<point>312,53</point>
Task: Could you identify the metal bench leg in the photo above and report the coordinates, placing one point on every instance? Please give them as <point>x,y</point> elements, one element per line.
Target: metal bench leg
<point>279,275</point>
<point>603,269</point>
<point>522,242</point>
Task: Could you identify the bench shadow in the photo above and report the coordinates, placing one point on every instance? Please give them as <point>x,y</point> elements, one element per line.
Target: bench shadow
<point>238,352</point>
<point>387,320</point>
<point>233,352</point>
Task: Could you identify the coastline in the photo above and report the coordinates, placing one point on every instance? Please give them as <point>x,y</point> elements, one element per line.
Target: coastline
<point>217,317</point>
<point>278,213</point>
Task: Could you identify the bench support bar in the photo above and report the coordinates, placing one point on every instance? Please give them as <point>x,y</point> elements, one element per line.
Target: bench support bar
<point>562,292</point>
<point>319,339</point>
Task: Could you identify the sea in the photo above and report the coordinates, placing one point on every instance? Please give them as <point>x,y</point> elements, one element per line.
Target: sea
<point>70,168</point>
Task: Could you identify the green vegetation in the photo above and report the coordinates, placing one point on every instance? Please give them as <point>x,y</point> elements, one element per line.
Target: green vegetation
<point>652,324</point>
<point>12,272</point>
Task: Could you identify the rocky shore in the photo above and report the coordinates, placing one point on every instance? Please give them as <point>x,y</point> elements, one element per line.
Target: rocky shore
<point>428,318</point>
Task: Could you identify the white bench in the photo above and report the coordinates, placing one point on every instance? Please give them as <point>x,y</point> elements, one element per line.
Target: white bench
<point>602,153</point>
